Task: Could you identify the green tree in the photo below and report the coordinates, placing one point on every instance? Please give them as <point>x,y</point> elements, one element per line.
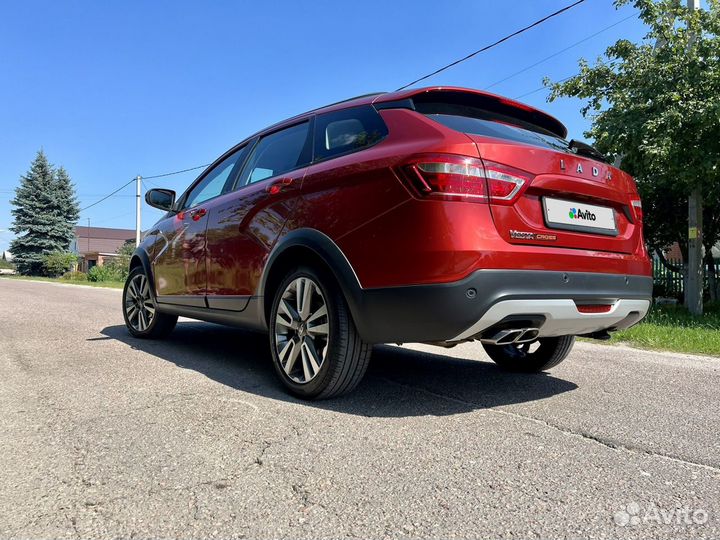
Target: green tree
<point>58,262</point>
<point>67,203</point>
<point>44,215</point>
<point>656,104</point>
<point>120,266</point>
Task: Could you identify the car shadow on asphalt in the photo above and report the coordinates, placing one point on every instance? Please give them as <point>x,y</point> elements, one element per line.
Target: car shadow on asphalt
<point>399,382</point>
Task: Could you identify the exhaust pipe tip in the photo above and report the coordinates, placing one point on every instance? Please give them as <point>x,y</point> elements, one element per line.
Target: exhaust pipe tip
<point>510,337</point>
<point>528,335</point>
<point>514,335</point>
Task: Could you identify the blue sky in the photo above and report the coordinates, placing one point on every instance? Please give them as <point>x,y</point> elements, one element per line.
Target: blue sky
<point>113,90</point>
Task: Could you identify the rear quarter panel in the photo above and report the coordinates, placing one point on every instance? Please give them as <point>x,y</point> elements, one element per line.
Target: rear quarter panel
<point>360,203</point>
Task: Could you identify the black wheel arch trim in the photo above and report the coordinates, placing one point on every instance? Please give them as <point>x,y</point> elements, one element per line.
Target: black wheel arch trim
<point>144,258</point>
<point>326,249</point>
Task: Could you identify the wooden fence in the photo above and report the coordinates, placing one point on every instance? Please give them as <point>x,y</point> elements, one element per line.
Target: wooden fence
<point>669,282</point>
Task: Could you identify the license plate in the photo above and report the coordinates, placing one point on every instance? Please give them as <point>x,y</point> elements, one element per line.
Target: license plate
<point>580,217</point>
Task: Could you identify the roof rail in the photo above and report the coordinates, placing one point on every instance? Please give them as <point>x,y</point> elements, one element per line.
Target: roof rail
<point>371,94</point>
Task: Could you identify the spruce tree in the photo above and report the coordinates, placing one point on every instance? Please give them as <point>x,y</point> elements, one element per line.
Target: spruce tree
<point>68,205</point>
<point>44,215</point>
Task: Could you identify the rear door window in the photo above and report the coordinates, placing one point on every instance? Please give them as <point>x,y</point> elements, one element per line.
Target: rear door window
<point>348,130</point>
<point>278,153</point>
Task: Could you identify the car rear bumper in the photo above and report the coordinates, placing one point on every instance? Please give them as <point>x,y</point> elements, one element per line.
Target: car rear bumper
<point>465,309</point>
<point>561,316</point>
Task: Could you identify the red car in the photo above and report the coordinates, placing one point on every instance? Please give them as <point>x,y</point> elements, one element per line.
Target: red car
<point>436,215</point>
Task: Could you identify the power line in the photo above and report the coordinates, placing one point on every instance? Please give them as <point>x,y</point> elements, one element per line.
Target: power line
<point>560,51</point>
<point>176,172</point>
<point>145,186</point>
<point>143,178</point>
<point>498,42</point>
<point>83,195</point>
<point>105,220</point>
<point>542,88</point>
<point>609,64</point>
<point>108,196</point>
<point>96,196</point>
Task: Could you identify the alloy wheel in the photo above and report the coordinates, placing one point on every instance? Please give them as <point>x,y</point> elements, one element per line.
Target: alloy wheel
<point>139,306</point>
<point>302,330</point>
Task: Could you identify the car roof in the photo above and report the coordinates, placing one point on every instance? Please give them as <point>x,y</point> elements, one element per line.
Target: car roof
<point>384,97</point>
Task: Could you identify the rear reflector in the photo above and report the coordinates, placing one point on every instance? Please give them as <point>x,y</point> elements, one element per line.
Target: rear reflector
<point>637,208</point>
<point>594,308</point>
<point>455,177</point>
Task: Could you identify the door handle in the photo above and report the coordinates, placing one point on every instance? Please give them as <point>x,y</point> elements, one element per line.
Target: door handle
<point>198,214</point>
<point>278,185</point>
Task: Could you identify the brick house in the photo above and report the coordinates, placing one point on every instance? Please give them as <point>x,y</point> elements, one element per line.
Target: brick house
<point>95,245</point>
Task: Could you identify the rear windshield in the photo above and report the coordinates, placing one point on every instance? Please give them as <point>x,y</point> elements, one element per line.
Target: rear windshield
<point>499,130</point>
<point>493,116</point>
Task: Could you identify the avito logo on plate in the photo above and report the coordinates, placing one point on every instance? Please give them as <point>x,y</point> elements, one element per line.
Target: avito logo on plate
<point>577,213</point>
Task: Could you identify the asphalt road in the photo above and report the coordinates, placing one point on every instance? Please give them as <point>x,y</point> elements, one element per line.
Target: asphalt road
<point>106,436</point>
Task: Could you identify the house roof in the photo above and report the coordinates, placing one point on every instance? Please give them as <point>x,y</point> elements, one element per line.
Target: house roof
<point>101,239</point>
<point>104,232</point>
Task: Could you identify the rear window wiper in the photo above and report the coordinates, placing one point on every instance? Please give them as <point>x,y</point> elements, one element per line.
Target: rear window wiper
<point>584,149</point>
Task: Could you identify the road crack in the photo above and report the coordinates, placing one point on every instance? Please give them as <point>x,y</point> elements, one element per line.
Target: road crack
<point>259,459</point>
<point>220,483</point>
<point>605,442</point>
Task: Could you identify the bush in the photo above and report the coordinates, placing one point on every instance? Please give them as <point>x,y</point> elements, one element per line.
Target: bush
<point>117,267</point>
<point>121,263</point>
<point>57,263</point>
<point>74,276</point>
<point>105,273</point>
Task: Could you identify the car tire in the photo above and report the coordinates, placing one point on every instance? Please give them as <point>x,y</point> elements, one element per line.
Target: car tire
<point>522,358</point>
<point>316,349</point>
<point>142,318</point>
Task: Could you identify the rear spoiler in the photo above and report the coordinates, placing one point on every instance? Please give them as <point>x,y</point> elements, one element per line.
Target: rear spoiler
<point>443,100</point>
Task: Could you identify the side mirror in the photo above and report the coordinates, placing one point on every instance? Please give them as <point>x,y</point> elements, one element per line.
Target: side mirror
<point>164,199</point>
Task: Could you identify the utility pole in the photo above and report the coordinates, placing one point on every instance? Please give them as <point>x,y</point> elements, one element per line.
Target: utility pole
<point>694,289</point>
<point>138,206</point>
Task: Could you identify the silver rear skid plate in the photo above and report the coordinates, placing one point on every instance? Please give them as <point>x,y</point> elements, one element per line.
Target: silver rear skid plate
<point>562,318</point>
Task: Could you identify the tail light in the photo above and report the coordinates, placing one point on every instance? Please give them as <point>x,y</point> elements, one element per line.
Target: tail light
<point>462,177</point>
<point>504,183</point>
<point>637,208</point>
<point>454,177</point>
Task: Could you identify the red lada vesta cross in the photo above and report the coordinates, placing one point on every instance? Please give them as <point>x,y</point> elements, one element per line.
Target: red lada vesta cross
<point>434,215</point>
